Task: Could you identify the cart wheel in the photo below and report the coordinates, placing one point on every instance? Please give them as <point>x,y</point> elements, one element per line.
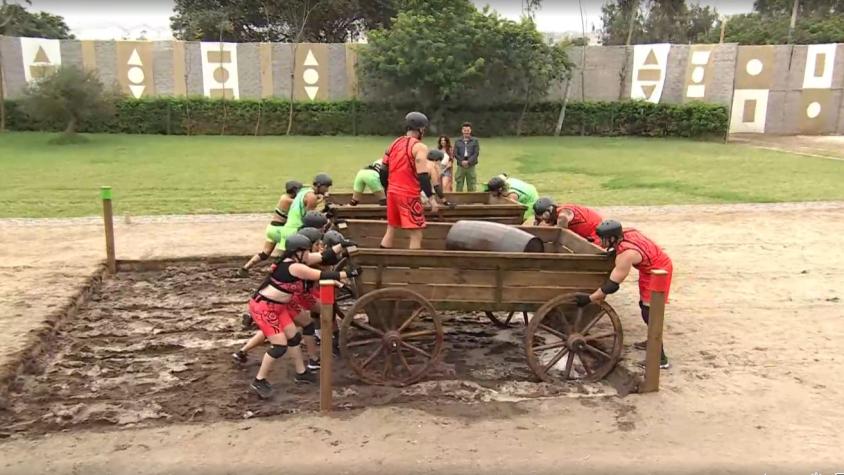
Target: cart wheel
<point>505,323</point>
<point>565,342</point>
<point>348,292</point>
<point>391,336</point>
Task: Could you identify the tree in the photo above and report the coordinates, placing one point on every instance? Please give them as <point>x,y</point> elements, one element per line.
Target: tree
<point>70,96</point>
<point>759,29</point>
<point>656,21</point>
<point>623,22</point>
<point>440,53</point>
<point>335,21</point>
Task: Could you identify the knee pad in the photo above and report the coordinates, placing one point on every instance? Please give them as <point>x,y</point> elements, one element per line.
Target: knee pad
<point>646,312</point>
<point>277,351</point>
<point>294,342</point>
<point>308,330</point>
<point>263,255</point>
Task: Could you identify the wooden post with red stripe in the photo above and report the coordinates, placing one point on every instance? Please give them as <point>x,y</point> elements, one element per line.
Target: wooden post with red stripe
<point>326,320</point>
<point>659,286</point>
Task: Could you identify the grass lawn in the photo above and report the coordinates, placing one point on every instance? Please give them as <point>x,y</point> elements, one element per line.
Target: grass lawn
<point>209,174</point>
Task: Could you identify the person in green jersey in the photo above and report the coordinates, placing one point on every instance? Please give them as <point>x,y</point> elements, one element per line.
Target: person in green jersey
<point>514,190</point>
<point>369,178</point>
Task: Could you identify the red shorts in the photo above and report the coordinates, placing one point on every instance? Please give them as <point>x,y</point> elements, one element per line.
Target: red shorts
<point>272,318</point>
<point>645,285</point>
<point>309,300</point>
<point>405,212</point>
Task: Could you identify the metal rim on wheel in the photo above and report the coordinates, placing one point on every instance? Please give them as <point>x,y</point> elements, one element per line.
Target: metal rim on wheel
<point>566,342</point>
<point>391,337</point>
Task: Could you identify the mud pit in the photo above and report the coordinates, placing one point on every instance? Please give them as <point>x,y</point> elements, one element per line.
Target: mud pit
<point>153,347</point>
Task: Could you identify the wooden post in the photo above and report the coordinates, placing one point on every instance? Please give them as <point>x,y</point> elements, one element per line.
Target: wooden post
<point>659,285</point>
<point>326,320</point>
<point>108,221</point>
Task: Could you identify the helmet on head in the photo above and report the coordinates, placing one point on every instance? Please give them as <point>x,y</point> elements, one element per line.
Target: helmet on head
<point>292,187</point>
<point>314,219</point>
<point>435,155</point>
<point>313,234</point>
<point>332,238</point>
<point>323,180</point>
<point>609,228</point>
<point>415,121</point>
<point>542,205</point>
<point>496,184</point>
<point>296,243</point>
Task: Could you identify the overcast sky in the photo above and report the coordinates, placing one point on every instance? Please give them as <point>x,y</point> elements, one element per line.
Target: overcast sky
<point>108,19</point>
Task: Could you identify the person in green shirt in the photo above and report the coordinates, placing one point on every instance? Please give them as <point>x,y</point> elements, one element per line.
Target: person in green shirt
<point>369,178</point>
<point>514,190</point>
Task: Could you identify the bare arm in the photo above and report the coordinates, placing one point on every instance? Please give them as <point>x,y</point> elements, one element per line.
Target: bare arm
<point>301,271</point>
<point>511,197</point>
<point>314,258</point>
<point>311,201</point>
<point>564,219</point>
<point>623,263</point>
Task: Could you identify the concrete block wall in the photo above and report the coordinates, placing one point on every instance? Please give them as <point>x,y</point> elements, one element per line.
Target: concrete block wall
<point>769,89</point>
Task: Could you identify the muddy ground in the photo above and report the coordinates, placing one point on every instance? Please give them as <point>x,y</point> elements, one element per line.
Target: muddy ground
<point>153,348</point>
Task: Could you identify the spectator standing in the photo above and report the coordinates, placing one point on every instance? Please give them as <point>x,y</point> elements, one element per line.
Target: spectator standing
<point>447,165</point>
<point>466,152</point>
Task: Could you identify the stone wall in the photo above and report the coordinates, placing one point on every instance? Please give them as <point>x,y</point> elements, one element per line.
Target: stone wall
<point>769,89</point>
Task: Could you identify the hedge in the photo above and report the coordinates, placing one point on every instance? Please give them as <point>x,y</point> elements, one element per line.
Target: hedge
<point>199,116</point>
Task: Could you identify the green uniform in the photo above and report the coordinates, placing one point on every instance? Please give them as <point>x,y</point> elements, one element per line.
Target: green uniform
<point>294,218</point>
<point>368,178</point>
<point>526,194</point>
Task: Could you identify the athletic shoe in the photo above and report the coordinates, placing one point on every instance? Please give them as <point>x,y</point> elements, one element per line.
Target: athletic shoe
<point>305,378</point>
<point>240,357</point>
<point>313,365</point>
<point>262,388</point>
<point>663,363</point>
<point>641,345</point>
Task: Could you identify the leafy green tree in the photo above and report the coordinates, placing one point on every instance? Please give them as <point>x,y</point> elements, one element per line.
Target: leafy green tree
<point>656,21</point>
<point>16,20</point>
<point>71,96</point>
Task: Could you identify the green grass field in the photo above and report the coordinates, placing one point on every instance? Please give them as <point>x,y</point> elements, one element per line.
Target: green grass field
<point>158,174</point>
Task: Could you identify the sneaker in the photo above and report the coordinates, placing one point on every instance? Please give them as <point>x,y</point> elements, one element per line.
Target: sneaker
<point>305,378</point>
<point>240,357</point>
<point>313,365</point>
<point>641,345</point>
<point>663,363</point>
<point>262,388</point>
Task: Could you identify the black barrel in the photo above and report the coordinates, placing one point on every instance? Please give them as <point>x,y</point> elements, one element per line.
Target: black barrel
<point>489,236</point>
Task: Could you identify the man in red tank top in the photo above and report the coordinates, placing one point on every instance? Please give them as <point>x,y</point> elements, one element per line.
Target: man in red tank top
<point>404,183</point>
<point>632,249</point>
<point>578,219</point>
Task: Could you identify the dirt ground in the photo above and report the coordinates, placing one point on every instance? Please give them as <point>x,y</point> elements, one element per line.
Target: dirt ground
<point>825,146</point>
<point>754,331</point>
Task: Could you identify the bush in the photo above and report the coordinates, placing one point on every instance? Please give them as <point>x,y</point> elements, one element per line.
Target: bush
<point>200,116</point>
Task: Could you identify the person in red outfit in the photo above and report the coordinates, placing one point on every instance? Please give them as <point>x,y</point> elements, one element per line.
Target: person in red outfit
<point>404,184</point>
<point>631,249</point>
<point>578,219</point>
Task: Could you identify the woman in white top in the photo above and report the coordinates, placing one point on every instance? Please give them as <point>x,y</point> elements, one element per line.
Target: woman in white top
<point>446,166</point>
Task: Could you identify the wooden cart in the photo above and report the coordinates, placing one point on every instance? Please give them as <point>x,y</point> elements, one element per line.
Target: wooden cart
<point>473,197</point>
<point>393,334</point>
<point>474,206</point>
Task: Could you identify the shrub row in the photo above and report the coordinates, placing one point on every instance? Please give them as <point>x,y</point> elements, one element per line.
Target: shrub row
<point>200,116</point>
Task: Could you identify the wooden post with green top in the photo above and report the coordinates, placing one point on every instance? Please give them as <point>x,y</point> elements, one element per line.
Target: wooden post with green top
<point>108,221</point>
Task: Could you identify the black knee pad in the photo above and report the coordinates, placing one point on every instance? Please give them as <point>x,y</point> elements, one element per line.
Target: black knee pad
<point>646,311</point>
<point>263,255</point>
<point>294,342</point>
<point>277,351</point>
<point>309,329</point>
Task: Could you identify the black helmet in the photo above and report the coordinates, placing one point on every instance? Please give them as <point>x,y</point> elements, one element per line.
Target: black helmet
<point>323,180</point>
<point>415,121</point>
<point>314,219</point>
<point>313,234</point>
<point>609,228</point>
<point>435,155</point>
<point>332,238</point>
<point>297,242</point>
<point>496,184</point>
<point>292,187</point>
<point>542,205</point>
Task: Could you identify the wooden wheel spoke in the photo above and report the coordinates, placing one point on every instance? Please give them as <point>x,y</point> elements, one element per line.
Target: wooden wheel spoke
<point>592,323</point>
<point>404,361</point>
<point>387,361</point>
<point>569,364</point>
<point>554,332</point>
<point>395,310</point>
<point>598,336</point>
<point>372,357</point>
<point>410,319</point>
<point>415,349</point>
<point>556,358</point>
<point>550,346</point>
<point>597,351</point>
<point>367,327</point>
<point>418,334</point>
<point>364,342</point>
<point>577,317</point>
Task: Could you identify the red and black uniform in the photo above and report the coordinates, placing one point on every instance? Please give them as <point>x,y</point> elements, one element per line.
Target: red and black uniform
<point>404,207</point>
<point>273,317</point>
<point>584,221</point>
<point>653,257</point>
